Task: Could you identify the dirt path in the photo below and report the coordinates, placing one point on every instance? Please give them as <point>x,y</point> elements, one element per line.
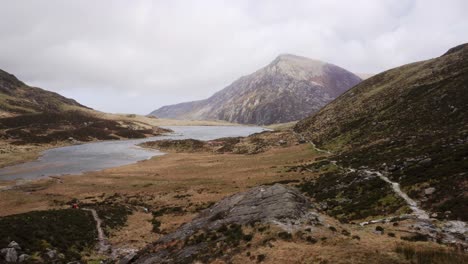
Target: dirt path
<point>103,244</point>
<point>418,212</point>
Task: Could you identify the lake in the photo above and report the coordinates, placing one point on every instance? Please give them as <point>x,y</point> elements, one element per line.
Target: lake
<point>95,156</point>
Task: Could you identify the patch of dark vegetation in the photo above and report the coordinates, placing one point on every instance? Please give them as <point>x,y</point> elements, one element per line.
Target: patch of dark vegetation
<point>253,144</point>
<point>431,256</point>
<point>282,182</point>
<point>168,210</point>
<point>50,127</point>
<point>379,229</point>
<point>311,167</point>
<point>227,238</point>
<point>162,211</point>
<point>70,231</point>
<point>261,258</point>
<point>350,196</point>
<point>285,235</point>
<point>113,217</point>
<point>415,237</point>
<point>156,225</point>
<point>203,206</point>
<point>181,145</point>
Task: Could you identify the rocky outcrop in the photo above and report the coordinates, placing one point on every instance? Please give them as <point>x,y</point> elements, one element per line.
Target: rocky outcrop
<point>278,205</point>
<point>289,88</point>
<point>15,254</point>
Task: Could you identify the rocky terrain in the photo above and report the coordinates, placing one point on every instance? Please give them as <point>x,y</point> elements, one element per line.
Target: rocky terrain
<point>289,88</point>
<point>411,124</point>
<point>218,229</point>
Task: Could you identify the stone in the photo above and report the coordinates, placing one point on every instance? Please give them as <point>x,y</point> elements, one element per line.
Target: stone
<point>14,245</point>
<point>23,258</point>
<point>429,191</point>
<point>279,205</point>
<point>425,162</point>
<point>10,254</point>
<point>51,254</point>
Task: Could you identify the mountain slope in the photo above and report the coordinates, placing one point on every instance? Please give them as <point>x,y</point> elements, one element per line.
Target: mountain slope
<point>412,123</point>
<point>289,88</point>
<point>18,98</point>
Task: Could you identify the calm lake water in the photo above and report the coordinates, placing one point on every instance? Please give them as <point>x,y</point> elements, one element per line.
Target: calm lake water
<point>100,155</point>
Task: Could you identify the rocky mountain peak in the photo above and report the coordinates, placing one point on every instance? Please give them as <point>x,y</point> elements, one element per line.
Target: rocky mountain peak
<point>296,66</point>
<point>289,88</point>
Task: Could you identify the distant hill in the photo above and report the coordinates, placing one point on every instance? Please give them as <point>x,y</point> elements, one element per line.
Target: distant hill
<point>18,98</point>
<point>289,88</point>
<point>411,121</point>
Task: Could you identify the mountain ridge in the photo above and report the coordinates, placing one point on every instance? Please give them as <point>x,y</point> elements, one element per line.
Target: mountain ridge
<point>289,88</point>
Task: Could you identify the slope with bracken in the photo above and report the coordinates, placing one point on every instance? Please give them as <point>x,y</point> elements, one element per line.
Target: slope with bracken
<point>410,122</point>
<point>289,88</point>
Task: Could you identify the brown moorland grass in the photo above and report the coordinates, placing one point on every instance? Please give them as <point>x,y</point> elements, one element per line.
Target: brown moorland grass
<point>193,181</point>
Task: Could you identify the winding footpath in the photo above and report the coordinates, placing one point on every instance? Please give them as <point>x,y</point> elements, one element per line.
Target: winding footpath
<point>103,243</point>
<point>418,212</point>
<point>452,232</point>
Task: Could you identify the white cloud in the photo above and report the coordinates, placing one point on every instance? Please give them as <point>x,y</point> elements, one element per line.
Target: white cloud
<point>162,52</point>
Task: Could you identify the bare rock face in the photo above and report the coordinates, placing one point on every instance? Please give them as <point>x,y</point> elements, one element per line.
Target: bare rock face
<point>289,88</point>
<point>277,204</point>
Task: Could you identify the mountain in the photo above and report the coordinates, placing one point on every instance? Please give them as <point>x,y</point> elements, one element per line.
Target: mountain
<point>18,98</point>
<point>30,115</point>
<point>289,88</point>
<point>411,123</point>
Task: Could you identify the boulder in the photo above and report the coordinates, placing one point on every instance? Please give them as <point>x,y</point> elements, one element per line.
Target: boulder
<point>14,245</point>
<point>23,258</point>
<point>9,254</point>
<point>429,191</point>
<point>51,254</point>
<point>279,205</point>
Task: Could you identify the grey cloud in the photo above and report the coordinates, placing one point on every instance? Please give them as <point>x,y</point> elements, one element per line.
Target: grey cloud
<point>134,56</point>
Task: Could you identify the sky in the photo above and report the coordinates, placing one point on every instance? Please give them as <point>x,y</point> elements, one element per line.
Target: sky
<point>135,56</point>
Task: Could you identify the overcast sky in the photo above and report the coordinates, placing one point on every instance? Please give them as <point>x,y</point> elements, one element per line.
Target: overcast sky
<point>135,56</point>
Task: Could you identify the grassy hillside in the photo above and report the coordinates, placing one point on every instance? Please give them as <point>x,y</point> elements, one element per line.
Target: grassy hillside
<point>18,98</point>
<point>411,121</point>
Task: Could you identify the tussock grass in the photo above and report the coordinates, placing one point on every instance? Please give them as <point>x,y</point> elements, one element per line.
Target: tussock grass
<point>431,256</point>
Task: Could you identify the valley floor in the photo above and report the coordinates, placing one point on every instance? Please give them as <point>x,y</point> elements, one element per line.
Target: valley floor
<point>175,187</point>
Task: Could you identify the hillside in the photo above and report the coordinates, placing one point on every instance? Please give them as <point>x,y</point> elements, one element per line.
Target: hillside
<point>18,98</point>
<point>289,88</point>
<point>411,123</point>
<point>33,119</point>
